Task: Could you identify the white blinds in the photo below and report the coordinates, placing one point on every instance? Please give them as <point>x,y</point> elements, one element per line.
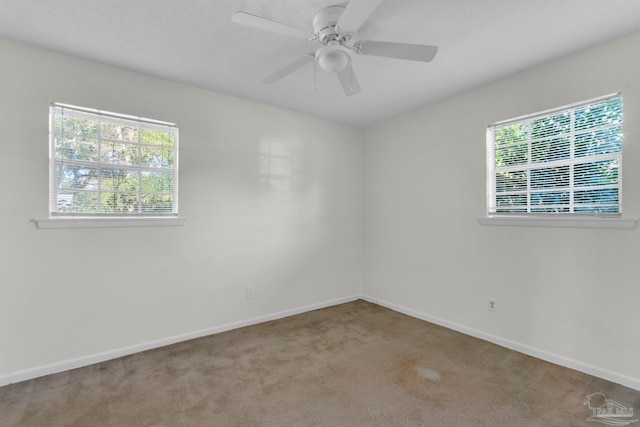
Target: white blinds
<point>567,160</point>
<point>107,164</point>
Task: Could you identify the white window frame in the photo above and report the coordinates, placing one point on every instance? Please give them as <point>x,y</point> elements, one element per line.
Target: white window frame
<point>553,219</point>
<point>137,217</point>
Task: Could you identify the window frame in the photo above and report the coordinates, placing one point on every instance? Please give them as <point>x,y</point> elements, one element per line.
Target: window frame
<point>550,219</point>
<point>140,215</point>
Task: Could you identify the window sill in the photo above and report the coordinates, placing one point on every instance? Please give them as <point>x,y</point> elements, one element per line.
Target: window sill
<point>79,222</point>
<point>571,222</point>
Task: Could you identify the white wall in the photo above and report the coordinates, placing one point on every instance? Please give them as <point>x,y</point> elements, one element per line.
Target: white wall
<point>572,293</point>
<point>67,295</point>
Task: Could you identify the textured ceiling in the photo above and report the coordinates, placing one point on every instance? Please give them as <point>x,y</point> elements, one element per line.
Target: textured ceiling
<point>195,42</point>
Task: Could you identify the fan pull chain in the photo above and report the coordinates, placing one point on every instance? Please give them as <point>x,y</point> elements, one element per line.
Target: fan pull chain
<point>315,76</point>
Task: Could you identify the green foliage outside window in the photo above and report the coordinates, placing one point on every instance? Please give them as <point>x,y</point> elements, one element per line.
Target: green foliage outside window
<point>111,166</point>
<point>562,162</point>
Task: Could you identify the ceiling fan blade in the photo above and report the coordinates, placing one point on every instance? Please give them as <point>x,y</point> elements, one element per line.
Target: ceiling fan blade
<point>288,69</point>
<point>356,12</point>
<point>413,52</point>
<point>269,25</point>
<point>349,81</point>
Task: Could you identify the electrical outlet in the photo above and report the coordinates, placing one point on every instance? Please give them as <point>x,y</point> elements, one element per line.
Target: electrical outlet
<point>250,292</point>
<point>492,305</point>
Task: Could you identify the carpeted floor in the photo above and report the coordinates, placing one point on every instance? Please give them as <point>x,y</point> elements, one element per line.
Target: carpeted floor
<point>356,364</point>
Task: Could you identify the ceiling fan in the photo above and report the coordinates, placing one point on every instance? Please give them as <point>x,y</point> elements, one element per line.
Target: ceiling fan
<point>336,27</point>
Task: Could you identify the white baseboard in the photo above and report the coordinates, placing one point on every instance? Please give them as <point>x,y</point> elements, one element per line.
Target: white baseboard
<point>586,368</point>
<point>79,362</point>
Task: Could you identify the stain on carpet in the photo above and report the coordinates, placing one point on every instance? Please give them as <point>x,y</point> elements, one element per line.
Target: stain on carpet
<point>428,374</point>
<point>414,375</point>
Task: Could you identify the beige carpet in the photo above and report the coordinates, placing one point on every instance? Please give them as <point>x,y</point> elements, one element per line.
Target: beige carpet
<point>355,364</point>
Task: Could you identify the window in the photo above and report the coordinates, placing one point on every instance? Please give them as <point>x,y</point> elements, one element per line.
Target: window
<point>562,161</point>
<point>111,165</point>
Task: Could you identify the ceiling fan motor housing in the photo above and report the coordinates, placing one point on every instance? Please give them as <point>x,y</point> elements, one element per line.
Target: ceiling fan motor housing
<point>324,24</point>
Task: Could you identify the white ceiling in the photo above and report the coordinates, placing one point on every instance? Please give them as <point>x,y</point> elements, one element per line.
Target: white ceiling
<point>195,42</point>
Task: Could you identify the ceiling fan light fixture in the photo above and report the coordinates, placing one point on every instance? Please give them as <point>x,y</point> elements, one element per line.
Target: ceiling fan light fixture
<point>332,59</point>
